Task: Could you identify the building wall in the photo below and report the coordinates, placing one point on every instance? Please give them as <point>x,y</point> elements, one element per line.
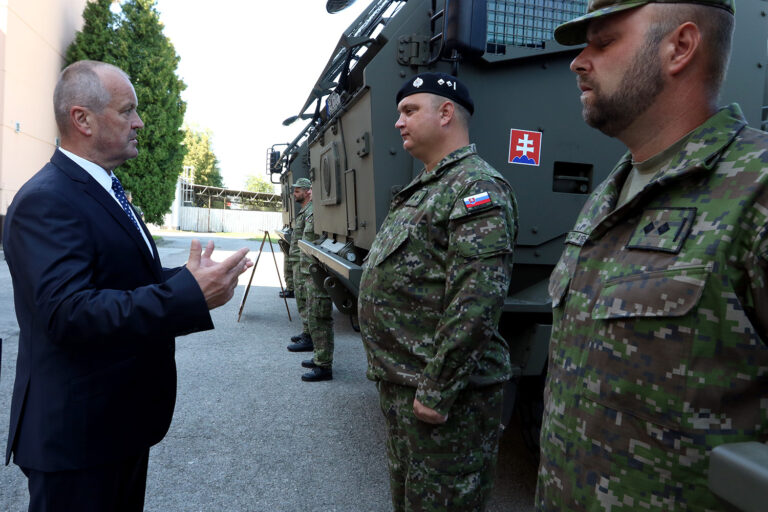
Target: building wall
<point>34,36</point>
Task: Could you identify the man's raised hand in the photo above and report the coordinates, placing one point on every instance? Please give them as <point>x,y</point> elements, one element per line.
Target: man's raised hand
<point>217,280</point>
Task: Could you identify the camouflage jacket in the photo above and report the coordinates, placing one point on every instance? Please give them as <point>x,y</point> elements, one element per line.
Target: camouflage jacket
<point>294,253</point>
<point>658,349</point>
<point>309,235</point>
<point>435,280</point>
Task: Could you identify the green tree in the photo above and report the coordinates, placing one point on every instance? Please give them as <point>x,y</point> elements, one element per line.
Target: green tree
<point>199,154</point>
<point>96,40</point>
<point>133,40</point>
<point>255,183</point>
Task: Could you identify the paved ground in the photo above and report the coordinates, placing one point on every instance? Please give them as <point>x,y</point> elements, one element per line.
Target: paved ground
<point>247,434</point>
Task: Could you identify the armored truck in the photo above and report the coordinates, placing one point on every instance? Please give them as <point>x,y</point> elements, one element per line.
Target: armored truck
<point>527,124</point>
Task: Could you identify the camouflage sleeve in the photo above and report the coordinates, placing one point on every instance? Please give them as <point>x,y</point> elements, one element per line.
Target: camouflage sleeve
<point>294,252</point>
<point>309,235</point>
<point>757,268</point>
<point>481,242</point>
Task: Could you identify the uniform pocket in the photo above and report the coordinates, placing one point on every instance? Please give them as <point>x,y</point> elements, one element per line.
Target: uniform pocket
<point>665,293</point>
<point>390,247</point>
<point>641,349</point>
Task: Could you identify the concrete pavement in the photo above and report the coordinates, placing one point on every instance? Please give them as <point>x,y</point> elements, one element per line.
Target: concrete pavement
<point>248,434</point>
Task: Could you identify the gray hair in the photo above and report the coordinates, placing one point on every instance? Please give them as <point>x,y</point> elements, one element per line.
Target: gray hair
<point>716,26</point>
<point>460,112</point>
<point>80,85</point>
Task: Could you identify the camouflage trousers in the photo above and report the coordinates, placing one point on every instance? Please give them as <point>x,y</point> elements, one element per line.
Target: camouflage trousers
<point>319,309</point>
<point>288,273</point>
<point>442,467</point>
<point>300,291</point>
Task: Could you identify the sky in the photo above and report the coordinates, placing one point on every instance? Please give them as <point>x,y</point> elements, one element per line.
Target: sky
<point>249,65</point>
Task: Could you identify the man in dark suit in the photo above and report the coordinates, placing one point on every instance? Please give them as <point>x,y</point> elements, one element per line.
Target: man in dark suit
<point>96,375</point>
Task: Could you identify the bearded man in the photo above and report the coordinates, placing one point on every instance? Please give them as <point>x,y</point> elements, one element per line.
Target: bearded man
<point>658,351</point>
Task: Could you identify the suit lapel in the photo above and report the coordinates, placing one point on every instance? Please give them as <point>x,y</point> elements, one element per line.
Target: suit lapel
<point>158,268</point>
<point>96,191</point>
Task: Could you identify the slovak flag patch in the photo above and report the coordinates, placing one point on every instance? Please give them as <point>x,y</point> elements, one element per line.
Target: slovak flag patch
<point>477,200</point>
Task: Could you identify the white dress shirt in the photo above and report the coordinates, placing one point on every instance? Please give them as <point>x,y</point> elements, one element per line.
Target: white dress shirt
<point>103,178</point>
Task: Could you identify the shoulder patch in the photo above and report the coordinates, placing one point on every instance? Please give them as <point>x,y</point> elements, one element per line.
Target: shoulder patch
<point>481,199</point>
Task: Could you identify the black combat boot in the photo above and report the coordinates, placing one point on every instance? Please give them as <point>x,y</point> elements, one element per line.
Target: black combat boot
<point>317,374</point>
<point>303,345</point>
<point>309,363</point>
<point>298,337</point>
<point>288,294</point>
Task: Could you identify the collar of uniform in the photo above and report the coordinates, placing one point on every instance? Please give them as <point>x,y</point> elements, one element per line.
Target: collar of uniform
<point>303,209</point>
<point>705,143</point>
<point>603,201</point>
<point>446,162</point>
<point>425,177</point>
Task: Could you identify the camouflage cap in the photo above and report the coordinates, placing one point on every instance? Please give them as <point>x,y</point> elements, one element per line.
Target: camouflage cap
<point>575,31</point>
<point>302,183</point>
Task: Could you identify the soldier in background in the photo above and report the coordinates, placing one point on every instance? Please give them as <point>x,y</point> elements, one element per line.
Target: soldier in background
<point>658,350</point>
<point>288,293</point>
<point>302,193</point>
<point>431,295</point>
<point>319,309</point>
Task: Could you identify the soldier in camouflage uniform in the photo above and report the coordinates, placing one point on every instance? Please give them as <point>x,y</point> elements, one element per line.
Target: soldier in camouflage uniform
<point>319,309</point>
<point>302,192</point>
<point>287,265</point>
<point>431,294</point>
<point>658,351</point>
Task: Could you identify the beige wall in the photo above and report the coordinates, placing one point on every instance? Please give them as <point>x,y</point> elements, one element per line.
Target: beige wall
<point>34,35</point>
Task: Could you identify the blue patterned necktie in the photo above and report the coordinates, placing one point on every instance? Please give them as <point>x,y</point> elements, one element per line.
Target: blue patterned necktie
<point>120,195</point>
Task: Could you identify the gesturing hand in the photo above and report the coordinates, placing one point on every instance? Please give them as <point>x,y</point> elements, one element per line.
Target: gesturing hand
<point>217,280</point>
<point>205,260</point>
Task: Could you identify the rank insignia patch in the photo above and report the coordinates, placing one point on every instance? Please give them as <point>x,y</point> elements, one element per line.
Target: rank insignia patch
<point>477,200</point>
<point>662,229</point>
<point>416,198</point>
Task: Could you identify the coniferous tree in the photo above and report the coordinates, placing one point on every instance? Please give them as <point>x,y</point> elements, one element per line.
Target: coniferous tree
<point>96,40</point>
<point>150,59</point>
<point>133,40</point>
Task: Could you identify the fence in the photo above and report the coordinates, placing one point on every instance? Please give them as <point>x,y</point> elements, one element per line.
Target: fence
<point>209,220</point>
<point>187,217</point>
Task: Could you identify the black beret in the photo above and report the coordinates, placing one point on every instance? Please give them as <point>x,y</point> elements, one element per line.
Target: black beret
<point>442,84</point>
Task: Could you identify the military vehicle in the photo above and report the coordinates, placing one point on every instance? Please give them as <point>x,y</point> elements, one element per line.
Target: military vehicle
<point>527,124</point>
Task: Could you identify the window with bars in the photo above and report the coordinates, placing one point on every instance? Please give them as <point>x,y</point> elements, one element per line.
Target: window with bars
<point>528,23</point>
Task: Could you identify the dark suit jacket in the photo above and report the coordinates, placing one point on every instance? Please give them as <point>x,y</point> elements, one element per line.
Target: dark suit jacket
<point>96,374</point>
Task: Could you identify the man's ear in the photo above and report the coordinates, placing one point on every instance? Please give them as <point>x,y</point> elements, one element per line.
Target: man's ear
<point>80,119</point>
<point>680,47</point>
<point>446,112</point>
